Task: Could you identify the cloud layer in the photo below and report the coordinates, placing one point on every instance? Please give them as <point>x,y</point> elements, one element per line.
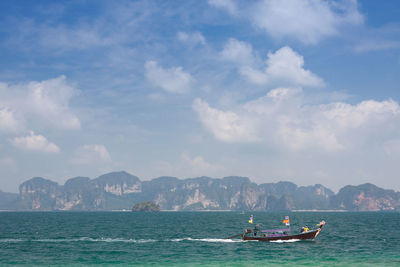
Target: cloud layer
<point>45,103</point>
<point>35,143</point>
<point>172,80</point>
<point>226,126</point>
<point>308,21</point>
<point>284,67</point>
<point>91,154</point>
<point>8,123</point>
<point>285,118</point>
<point>192,39</point>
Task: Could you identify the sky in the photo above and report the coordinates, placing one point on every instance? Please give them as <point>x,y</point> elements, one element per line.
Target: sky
<point>276,90</point>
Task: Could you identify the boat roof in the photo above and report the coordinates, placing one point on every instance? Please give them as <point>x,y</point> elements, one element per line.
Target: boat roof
<point>275,230</point>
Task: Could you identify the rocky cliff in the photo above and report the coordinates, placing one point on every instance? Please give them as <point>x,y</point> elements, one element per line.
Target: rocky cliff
<point>146,206</point>
<point>120,190</point>
<point>367,197</point>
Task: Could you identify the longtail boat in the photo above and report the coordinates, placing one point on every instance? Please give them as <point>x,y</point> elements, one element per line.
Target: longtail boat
<point>281,234</point>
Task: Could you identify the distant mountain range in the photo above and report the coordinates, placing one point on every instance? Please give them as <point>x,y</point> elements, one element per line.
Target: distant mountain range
<point>121,190</point>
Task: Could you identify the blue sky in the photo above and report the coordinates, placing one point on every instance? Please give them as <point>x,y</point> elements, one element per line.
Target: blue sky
<point>303,91</point>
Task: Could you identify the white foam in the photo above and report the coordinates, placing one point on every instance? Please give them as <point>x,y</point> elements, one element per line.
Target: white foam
<point>285,241</point>
<point>88,239</point>
<point>80,239</point>
<point>213,240</point>
<point>11,240</point>
<point>139,241</point>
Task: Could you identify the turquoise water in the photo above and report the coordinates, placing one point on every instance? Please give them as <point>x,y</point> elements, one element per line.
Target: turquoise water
<point>194,239</point>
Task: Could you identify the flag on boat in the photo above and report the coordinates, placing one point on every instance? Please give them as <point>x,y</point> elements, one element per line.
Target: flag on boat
<point>286,220</point>
<point>251,219</point>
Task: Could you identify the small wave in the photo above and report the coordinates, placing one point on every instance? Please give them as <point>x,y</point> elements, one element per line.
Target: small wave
<point>212,240</point>
<point>11,240</point>
<point>89,239</point>
<point>285,241</point>
<point>81,239</point>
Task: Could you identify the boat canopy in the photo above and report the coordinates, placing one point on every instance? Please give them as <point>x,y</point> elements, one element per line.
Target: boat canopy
<point>275,230</point>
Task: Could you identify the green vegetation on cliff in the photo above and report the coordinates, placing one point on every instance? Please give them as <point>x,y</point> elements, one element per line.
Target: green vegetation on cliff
<point>146,206</point>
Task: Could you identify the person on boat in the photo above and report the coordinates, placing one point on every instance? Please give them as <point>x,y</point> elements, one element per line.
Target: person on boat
<point>304,229</point>
<point>255,229</point>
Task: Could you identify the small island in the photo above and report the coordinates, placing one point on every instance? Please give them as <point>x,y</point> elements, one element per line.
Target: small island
<point>146,206</point>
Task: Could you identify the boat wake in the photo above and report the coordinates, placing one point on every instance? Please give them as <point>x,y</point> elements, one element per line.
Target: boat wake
<point>88,239</point>
<point>121,240</point>
<point>81,239</point>
<point>138,241</point>
<point>285,241</point>
<point>11,240</point>
<point>212,240</point>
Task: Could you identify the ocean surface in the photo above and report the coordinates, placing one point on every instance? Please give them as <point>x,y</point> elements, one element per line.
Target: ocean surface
<point>194,239</point>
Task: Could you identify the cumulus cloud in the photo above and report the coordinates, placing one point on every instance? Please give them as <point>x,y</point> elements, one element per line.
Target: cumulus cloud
<point>351,116</point>
<point>45,102</point>
<point>285,118</point>
<point>8,123</point>
<point>239,52</point>
<point>302,134</point>
<point>285,66</point>
<point>35,143</point>
<point>229,5</point>
<point>198,164</point>
<point>226,126</point>
<point>188,166</point>
<point>89,154</point>
<point>307,21</point>
<point>172,80</point>
<point>192,39</point>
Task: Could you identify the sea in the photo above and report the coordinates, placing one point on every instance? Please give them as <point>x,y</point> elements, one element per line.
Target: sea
<point>194,239</point>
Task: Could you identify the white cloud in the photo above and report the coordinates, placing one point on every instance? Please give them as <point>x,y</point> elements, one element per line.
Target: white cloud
<point>188,166</point>
<point>238,52</point>
<point>192,39</point>
<point>90,154</point>
<point>279,94</point>
<point>8,123</point>
<point>45,102</point>
<point>198,164</point>
<point>301,135</point>
<point>285,99</point>
<point>285,66</point>
<point>308,21</point>
<point>284,117</point>
<point>229,5</point>
<point>376,45</point>
<point>35,143</point>
<point>348,116</point>
<point>173,80</point>
<point>53,36</point>
<point>254,75</point>
<point>226,126</point>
